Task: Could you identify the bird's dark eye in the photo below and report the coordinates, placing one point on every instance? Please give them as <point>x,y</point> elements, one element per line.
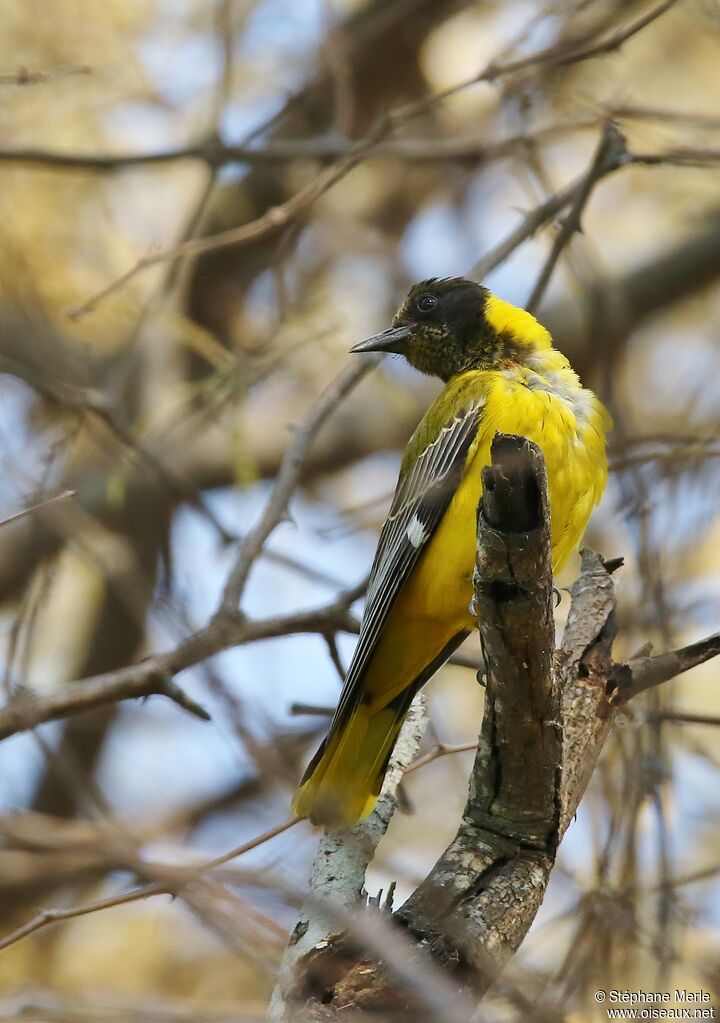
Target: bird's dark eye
<point>427,303</point>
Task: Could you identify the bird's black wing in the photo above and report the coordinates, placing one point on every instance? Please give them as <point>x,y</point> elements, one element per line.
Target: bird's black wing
<point>420,500</point>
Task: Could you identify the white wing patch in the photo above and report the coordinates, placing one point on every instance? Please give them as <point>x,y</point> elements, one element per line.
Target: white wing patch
<point>415,532</point>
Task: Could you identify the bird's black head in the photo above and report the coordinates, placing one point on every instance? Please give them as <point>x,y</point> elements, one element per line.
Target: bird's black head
<point>441,328</point>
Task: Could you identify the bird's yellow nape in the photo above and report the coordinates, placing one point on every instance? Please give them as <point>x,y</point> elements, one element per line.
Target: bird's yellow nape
<point>518,323</point>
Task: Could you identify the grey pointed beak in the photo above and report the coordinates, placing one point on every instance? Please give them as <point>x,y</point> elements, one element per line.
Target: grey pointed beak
<point>392,340</point>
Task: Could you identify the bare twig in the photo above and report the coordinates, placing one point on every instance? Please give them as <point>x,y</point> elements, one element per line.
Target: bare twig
<point>154,675</point>
<point>323,148</point>
<point>273,219</point>
<point>178,878</point>
<point>288,477</point>
<point>532,221</point>
<point>614,40</point>
<point>610,154</point>
<point>636,676</point>
<point>441,749</point>
<point>311,710</point>
<point>679,717</point>
<point>561,54</point>
<point>26,710</point>
<point>37,507</point>
<point>24,76</point>
<point>51,916</point>
<point>628,111</point>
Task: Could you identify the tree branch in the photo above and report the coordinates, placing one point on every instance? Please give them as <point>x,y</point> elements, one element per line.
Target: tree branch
<point>610,154</point>
<point>545,723</point>
<point>268,222</point>
<point>24,76</point>
<point>338,873</point>
<point>27,709</point>
<point>228,625</point>
<point>40,506</point>
<point>288,476</point>
<point>636,676</point>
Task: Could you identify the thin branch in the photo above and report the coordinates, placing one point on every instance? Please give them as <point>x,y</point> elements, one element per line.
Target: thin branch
<point>441,749</point>
<point>531,222</point>
<point>272,220</point>
<point>610,154</point>
<point>23,76</point>
<point>26,710</point>
<point>153,676</point>
<point>324,148</point>
<point>679,156</point>
<point>331,643</point>
<point>51,916</point>
<point>616,39</point>
<point>678,717</point>
<point>537,217</point>
<point>254,843</point>
<point>637,676</point>
<point>37,507</point>
<point>561,54</point>
<point>311,710</point>
<point>684,117</point>
<point>289,475</point>
<point>178,878</point>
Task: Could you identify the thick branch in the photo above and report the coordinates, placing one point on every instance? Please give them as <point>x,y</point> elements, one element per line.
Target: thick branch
<point>462,914</point>
<point>502,855</point>
<point>545,724</point>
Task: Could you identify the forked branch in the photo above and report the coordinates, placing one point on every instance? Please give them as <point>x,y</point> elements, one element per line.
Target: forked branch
<point>547,716</point>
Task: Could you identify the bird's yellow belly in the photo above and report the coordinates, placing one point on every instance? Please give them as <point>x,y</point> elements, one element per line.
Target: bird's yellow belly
<point>441,587</point>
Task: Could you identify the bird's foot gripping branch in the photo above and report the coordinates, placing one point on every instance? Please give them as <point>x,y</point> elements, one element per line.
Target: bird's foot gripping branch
<point>547,715</point>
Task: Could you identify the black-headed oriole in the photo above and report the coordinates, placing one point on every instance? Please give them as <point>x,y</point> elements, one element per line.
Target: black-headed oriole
<point>501,373</point>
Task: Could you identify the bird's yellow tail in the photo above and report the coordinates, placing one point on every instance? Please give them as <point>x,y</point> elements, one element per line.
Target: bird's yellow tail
<point>344,778</point>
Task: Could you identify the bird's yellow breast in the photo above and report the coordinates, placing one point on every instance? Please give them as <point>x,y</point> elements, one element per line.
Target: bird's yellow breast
<point>568,423</point>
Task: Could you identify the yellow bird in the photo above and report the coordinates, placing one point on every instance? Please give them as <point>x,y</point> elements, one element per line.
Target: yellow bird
<point>501,373</point>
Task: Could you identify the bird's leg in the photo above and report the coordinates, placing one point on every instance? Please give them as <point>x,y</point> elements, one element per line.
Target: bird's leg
<point>483,673</point>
